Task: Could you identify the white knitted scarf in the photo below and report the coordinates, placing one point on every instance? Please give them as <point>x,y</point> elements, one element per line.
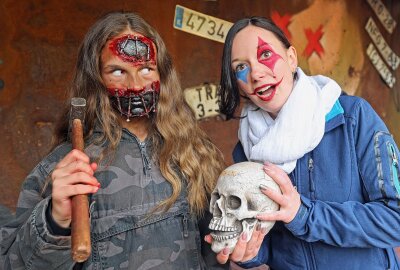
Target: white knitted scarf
<point>298,127</point>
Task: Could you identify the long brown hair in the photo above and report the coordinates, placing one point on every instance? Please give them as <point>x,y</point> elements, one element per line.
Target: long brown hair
<point>178,141</point>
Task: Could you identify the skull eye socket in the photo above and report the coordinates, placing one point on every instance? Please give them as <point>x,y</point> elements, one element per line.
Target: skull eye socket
<point>233,202</point>
<point>216,194</point>
<point>215,197</point>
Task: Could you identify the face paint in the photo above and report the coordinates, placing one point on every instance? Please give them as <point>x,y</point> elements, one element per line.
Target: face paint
<point>135,102</point>
<point>138,51</point>
<point>134,49</point>
<point>242,74</point>
<point>270,63</point>
<point>266,55</point>
<point>260,90</point>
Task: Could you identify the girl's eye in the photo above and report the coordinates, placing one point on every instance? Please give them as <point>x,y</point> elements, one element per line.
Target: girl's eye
<point>145,71</point>
<point>266,54</point>
<point>117,72</point>
<point>240,67</point>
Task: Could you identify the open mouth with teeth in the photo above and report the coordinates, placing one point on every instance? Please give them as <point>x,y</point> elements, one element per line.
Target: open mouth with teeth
<point>267,91</point>
<point>222,236</point>
<point>222,232</point>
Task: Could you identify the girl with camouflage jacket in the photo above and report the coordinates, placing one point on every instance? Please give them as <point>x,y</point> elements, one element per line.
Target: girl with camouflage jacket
<point>147,166</point>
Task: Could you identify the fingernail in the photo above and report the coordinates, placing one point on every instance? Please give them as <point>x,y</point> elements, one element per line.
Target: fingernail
<point>244,236</point>
<point>225,251</point>
<point>263,187</point>
<point>264,230</point>
<point>98,184</point>
<point>95,189</point>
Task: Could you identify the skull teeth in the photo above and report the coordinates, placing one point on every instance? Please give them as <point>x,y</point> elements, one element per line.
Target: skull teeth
<point>216,225</point>
<point>218,237</point>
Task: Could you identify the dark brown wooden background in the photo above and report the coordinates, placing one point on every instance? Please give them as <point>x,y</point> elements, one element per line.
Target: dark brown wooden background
<point>38,48</point>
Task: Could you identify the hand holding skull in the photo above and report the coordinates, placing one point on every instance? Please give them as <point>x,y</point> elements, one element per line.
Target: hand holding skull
<point>288,199</point>
<point>239,206</point>
<point>235,203</point>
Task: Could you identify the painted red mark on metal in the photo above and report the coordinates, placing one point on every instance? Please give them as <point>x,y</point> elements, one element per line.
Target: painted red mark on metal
<point>282,22</point>
<point>313,42</point>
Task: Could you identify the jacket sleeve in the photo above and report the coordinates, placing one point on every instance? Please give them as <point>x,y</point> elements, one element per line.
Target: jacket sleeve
<point>375,222</point>
<point>26,242</point>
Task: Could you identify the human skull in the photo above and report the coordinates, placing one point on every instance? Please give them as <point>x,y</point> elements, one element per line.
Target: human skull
<point>235,202</point>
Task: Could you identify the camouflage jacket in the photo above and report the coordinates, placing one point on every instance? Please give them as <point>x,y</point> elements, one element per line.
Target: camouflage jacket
<point>123,235</point>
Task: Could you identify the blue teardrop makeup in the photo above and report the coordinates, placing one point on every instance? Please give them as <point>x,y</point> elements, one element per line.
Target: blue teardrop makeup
<point>242,74</point>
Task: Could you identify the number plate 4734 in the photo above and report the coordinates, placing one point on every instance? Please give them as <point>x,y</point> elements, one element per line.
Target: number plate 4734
<point>201,24</point>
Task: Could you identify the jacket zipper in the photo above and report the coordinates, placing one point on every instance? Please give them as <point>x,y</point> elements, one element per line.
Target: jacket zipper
<point>185,226</point>
<point>310,175</point>
<point>310,166</point>
<point>305,246</point>
<point>145,157</point>
<point>395,167</point>
<point>143,153</point>
<point>386,253</point>
<point>293,178</point>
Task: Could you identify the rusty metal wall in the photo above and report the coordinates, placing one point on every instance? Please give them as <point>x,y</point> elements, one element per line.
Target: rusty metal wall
<point>39,41</point>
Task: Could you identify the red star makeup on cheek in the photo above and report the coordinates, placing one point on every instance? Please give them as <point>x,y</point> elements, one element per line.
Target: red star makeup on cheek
<point>134,49</point>
<point>270,61</point>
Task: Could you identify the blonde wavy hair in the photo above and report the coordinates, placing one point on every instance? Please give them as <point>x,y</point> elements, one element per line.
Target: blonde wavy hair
<point>180,147</point>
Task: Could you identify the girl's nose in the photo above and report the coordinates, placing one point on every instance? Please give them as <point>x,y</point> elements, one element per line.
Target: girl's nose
<point>259,71</point>
<point>135,83</point>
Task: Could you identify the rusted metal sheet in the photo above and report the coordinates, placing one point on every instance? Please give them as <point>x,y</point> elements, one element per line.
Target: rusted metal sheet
<point>39,42</point>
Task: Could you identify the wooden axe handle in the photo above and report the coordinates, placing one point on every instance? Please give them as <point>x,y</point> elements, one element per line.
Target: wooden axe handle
<point>80,225</point>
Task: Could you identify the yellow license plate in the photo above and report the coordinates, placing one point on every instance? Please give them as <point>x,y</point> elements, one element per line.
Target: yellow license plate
<point>201,24</point>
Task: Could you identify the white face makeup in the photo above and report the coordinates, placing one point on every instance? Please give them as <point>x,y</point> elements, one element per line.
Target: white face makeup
<point>263,67</point>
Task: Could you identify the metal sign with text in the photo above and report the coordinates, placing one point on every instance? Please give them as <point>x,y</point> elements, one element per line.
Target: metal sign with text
<point>203,100</point>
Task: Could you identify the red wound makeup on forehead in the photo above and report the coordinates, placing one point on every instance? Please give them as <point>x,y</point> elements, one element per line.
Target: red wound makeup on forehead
<point>134,49</point>
<point>270,61</point>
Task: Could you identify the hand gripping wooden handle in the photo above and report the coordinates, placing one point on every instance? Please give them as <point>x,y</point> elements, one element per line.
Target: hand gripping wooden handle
<point>80,226</point>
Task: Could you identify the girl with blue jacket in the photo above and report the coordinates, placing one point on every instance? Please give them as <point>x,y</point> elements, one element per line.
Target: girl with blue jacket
<point>332,156</point>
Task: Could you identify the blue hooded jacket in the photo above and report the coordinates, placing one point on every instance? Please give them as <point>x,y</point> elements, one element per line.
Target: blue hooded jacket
<point>350,192</point>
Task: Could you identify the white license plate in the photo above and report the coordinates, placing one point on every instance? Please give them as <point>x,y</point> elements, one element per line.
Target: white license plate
<point>380,66</point>
<point>203,100</point>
